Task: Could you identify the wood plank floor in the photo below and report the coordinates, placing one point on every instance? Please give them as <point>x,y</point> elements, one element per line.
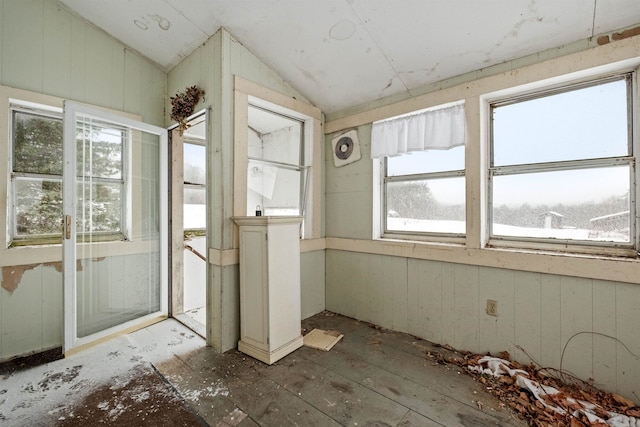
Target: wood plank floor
<point>373,377</point>
<point>164,375</point>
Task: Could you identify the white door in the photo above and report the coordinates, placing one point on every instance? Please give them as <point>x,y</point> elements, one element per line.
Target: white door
<point>115,224</point>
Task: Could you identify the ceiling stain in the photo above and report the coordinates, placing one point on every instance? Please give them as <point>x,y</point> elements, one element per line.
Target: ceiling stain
<point>143,23</point>
<point>342,30</point>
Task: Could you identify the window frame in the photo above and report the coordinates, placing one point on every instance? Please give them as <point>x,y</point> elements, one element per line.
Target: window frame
<point>47,111</point>
<point>381,178</point>
<point>42,111</point>
<point>594,247</point>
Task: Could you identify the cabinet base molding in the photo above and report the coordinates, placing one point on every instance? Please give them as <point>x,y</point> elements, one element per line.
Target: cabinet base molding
<point>270,357</point>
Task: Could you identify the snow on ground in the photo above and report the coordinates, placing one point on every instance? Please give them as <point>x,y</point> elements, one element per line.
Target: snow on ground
<point>458,227</point>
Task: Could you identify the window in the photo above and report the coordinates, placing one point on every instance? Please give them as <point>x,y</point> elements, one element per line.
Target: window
<point>423,184</point>
<point>425,192</point>
<point>195,178</point>
<point>562,166</point>
<point>36,176</point>
<point>36,173</point>
<point>276,172</point>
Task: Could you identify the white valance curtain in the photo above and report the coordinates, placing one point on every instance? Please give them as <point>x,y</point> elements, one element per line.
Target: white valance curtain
<point>438,129</point>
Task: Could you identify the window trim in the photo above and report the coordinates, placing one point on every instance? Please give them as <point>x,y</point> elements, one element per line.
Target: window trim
<point>246,92</point>
<point>301,166</point>
<point>590,247</point>
<point>381,178</point>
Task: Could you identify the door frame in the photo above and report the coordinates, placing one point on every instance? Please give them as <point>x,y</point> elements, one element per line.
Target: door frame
<point>176,206</point>
<point>70,112</point>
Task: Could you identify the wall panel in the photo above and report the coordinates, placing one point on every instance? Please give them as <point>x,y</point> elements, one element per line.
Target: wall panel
<point>424,295</point>
<point>23,50</point>
<point>57,44</point>
<point>604,325</point>
<point>527,317</point>
<point>54,55</point>
<point>31,315</point>
<point>544,314</point>
<point>576,321</point>
<point>312,279</point>
<point>628,343</point>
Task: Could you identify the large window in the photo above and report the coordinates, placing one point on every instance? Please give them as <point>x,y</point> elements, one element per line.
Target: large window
<point>562,166</point>
<point>36,176</point>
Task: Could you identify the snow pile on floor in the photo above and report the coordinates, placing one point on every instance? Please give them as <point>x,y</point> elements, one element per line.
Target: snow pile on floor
<point>584,411</point>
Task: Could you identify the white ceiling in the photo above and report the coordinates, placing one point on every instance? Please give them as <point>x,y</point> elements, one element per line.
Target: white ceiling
<point>343,53</point>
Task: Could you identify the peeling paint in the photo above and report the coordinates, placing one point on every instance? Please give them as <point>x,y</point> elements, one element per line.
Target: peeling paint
<point>626,33</point>
<point>12,275</point>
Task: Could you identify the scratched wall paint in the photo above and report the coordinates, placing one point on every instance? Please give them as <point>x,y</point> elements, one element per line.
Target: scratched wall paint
<point>12,275</point>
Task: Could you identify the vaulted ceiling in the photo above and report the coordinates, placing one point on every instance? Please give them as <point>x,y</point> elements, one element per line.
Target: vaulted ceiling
<point>343,53</point>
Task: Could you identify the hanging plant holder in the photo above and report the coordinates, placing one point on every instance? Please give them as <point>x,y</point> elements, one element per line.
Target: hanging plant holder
<point>183,104</point>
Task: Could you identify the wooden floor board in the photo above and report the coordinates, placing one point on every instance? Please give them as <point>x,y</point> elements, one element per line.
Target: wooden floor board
<point>371,377</point>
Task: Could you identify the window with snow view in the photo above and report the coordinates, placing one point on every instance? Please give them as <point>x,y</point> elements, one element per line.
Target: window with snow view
<point>425,192</point>
<point>423,164</point>
<point>562,166</point>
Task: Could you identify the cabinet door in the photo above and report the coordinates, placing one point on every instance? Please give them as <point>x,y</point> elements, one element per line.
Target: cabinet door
<point>284,283</point>
<point>253,287</point>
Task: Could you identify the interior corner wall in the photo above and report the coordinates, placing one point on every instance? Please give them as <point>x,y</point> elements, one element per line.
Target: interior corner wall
<point>48,54</point>
<point>46,49</point>
<point>575,313</point>
<point>213,67</point>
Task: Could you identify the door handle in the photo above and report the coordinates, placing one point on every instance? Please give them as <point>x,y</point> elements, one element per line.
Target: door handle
<point>67,227</point>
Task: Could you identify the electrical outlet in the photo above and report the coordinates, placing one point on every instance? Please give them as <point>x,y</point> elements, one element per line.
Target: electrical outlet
<point>492,307</point>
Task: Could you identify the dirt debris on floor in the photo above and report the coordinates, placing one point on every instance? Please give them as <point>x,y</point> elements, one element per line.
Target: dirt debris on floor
<point>142,397</point>
<point>95,384</point>
<point>542,396</point>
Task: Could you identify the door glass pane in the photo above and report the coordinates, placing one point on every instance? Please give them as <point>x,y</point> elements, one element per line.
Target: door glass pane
<point>99,207</point>
<point>121,281</point>
<point>100,150</point>
<point>195,208</point>
<point>195,158</point>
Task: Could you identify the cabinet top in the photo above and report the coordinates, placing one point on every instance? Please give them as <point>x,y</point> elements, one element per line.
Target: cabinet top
<point>264,220</point>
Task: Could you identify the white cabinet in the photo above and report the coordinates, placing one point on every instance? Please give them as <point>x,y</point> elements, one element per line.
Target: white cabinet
<point>270,319</point>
